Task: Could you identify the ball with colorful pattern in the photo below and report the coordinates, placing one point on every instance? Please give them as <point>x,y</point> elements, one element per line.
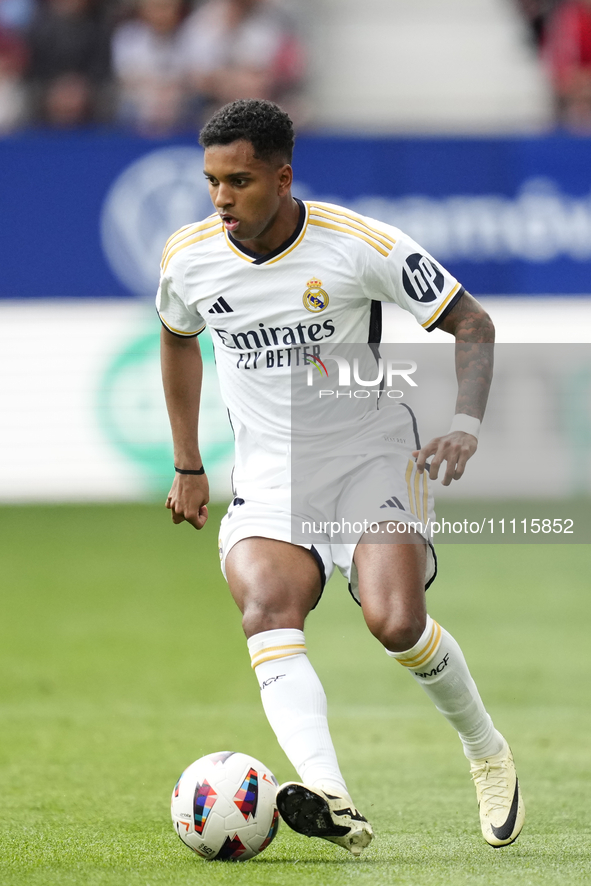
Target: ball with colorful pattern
<point>223,807</point>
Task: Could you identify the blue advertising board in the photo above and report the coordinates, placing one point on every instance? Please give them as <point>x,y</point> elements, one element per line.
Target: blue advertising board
<point>85,215</point>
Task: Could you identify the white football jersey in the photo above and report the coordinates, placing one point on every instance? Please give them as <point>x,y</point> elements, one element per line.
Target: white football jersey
<point>270,313</point>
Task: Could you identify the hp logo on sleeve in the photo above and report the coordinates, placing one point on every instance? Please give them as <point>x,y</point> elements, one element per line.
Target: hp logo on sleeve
<point>421,277</point>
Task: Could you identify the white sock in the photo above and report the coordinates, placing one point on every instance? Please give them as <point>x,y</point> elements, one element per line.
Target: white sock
<point>295,705</point>
<point>437,663</point>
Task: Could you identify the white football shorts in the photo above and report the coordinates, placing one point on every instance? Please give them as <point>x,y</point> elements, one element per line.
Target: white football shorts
<point>347,499</point>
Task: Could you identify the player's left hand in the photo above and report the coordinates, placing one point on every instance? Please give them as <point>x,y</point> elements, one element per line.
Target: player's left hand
<point>455,449</point>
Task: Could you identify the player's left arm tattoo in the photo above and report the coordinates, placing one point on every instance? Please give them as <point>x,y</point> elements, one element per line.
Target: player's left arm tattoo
<point>475,334</point>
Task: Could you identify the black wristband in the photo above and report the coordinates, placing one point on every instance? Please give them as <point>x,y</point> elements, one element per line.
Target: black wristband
<point>181,471</point>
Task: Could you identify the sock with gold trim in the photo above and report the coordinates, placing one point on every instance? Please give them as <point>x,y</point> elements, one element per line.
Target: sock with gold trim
<point>295,705</point>
<point>438,664</point>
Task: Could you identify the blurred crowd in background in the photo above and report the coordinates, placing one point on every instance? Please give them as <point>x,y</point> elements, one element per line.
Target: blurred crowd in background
<point>153,66</point>
<point>561,33</point>
<point>162,66</point>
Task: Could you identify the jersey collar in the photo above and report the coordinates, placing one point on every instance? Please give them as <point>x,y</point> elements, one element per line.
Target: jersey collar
<point>255,258</point>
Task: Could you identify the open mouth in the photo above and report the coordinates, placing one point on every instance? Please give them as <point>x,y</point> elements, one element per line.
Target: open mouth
<point>230,223</point>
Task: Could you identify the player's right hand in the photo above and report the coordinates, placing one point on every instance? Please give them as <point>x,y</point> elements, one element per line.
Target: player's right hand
<point>187,499</point>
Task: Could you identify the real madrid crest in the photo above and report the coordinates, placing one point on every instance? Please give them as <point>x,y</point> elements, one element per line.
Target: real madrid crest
<point>315,298</point>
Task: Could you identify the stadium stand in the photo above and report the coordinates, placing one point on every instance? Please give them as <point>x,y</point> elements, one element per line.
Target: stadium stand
<point>566,50</point>
<point>68,63</point>
<point>149,69</point>
<point>381,66</point>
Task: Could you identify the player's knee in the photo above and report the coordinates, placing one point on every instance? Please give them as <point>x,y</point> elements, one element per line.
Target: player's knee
<point>270,605</point>
<point>256,620</point>
<point>397,633</point>
<point>272,596</point>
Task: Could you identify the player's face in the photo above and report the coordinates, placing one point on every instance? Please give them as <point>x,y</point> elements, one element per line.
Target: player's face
<point>246,192</point>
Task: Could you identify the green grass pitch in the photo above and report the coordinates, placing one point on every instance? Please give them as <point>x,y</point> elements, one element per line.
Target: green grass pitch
<point>122,660</point>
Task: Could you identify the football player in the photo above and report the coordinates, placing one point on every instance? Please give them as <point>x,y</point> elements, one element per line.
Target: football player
<point>278,281</point>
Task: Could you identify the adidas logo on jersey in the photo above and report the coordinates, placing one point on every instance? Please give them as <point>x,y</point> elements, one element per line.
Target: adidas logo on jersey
<point>393,503</point>
<point>221,306</point>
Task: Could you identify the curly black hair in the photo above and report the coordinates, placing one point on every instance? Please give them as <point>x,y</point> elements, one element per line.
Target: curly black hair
<point>262,123</point>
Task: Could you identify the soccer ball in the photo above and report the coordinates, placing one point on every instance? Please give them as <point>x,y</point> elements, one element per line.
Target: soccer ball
<point>223,806</point>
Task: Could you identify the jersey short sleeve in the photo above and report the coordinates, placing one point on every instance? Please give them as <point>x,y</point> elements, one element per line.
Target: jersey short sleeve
<point>178,317</point>
<point>411,278</point>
